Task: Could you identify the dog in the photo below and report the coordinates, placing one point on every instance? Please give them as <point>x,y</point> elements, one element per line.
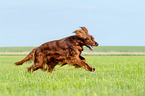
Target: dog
<point>64,51</point>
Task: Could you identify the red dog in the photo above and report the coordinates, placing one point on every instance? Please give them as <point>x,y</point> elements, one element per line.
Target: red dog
<point>65,51</point>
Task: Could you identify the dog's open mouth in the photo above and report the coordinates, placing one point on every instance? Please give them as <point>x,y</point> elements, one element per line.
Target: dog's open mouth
<point>90,47</point>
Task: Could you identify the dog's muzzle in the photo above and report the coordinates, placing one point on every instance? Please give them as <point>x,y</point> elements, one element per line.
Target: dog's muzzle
<point>90,47</point>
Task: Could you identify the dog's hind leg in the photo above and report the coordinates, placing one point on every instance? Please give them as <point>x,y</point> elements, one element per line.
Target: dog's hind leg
<point>51,67</point>
<point>38,63</point>
<point>32,68</point>
<point>29,68</point>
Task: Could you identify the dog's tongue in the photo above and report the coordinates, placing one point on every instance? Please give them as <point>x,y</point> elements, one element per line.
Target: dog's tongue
<point>91,48</point>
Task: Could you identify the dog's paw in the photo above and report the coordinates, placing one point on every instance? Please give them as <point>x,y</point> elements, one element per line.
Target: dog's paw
<point>93,69</point>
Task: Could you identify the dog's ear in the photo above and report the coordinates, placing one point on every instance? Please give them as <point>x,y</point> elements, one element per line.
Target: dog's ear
<point>84,29</point>
<point>81,33</point>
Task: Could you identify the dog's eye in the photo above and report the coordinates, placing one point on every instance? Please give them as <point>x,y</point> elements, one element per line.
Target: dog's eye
<point>87,39</point>
<point>92,38</point>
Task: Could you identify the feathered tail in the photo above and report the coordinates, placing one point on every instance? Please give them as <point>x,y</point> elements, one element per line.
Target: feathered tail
<point>27,58</point>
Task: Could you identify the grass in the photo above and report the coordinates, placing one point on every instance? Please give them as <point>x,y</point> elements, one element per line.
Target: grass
<point>96,49</point>
<point>15,49</point>
<point>118,49</point>
<point>114,76</point>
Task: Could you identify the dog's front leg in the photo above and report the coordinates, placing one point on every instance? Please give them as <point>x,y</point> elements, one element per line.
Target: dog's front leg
<point>82,58</point>
<point>83,64</point>
<point>86,66</point>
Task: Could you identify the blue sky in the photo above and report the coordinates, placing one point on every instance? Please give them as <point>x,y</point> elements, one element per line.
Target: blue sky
<point>33,22</point>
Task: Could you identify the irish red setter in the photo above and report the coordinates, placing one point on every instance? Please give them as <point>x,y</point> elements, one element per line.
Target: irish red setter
<point>65,51</point>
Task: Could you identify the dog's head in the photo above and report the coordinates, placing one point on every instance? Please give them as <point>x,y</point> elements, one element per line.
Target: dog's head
<point>87,39</point>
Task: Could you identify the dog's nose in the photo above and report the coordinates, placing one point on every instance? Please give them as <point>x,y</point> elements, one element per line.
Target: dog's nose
<point>97,44</point>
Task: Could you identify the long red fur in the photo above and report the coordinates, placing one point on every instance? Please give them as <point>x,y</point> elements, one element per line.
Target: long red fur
<point>65,51</point>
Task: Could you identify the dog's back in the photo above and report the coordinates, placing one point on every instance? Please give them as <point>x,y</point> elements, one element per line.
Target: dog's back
<point>67,50</point>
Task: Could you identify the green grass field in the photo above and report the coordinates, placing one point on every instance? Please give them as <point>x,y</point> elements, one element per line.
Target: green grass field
<point>15,49</point>
<point>114,76</point>
<point>96,49</point>
<point>118,49</point>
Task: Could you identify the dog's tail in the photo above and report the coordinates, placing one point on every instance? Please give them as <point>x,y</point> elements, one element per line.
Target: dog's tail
<point>30,56</point>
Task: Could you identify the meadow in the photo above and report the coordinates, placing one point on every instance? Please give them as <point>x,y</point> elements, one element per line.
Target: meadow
<point>96,49</point>
<point>114,76</point>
